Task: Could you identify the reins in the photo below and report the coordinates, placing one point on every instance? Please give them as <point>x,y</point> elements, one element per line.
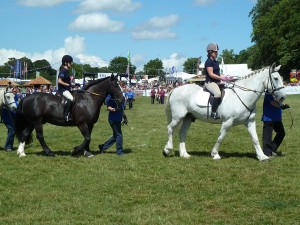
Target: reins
<point>93,93</point>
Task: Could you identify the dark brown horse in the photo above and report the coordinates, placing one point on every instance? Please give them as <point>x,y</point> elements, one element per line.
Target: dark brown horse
<point>40,108</point>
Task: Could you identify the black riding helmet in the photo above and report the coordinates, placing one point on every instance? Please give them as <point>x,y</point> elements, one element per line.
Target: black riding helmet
<point>66,59</point>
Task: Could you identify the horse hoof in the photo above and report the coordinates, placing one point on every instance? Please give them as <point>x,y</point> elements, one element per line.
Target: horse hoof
<point>21,154</point>
<point>216,157</point>
<point>166,152</point>
<point>263,158</point>
<point>88,154</point>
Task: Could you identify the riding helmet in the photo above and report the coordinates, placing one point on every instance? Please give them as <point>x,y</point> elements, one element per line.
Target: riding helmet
<point>66,59</point>
<point>212,47</point>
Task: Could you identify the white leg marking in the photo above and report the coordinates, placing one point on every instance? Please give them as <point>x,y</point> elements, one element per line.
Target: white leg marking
<point>20,151</point>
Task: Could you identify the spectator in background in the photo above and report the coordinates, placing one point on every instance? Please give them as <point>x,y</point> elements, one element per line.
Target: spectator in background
<point>152,95</point>
<point>8,118</point>
<point>130,97</point>
<point>125,97</point>
<point>272,119</point>
<point>162,94</point>
<point>115,117</point>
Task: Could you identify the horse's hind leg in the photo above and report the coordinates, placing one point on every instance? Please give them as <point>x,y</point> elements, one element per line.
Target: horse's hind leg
<point>183,132</point>
<point>26,133</point>
<point>169,146</point>
<point>40,137</point>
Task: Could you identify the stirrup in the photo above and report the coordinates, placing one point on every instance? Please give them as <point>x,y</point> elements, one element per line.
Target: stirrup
<point>215,115</point>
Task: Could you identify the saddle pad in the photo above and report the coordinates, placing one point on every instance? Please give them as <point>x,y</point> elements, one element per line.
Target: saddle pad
<point>202,98</point>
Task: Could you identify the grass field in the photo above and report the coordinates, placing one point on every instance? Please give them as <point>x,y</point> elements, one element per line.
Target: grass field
<point>143,187</point>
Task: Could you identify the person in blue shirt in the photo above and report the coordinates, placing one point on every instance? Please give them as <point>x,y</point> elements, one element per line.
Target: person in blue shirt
<point>64,84</point>
<point>8,118</point>
<point>272,119</point>
<point>131,98</point>
<point>213,77</point>
<point>115,117</point>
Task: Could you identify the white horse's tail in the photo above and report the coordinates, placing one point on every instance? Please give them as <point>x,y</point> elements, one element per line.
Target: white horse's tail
<point>168,108</point>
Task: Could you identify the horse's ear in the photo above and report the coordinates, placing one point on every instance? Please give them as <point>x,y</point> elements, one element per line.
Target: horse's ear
<point>271,70</point>
<point>277,68</point>
<point>112,77</point>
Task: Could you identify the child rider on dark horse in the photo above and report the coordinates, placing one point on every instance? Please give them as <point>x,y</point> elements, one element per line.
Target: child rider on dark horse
<point>64,84</point>
<point>213,77</point>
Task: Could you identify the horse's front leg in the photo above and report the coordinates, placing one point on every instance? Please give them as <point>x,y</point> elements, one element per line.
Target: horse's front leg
<point>169,146</point>
<point>84,129</point>
<point>224,129</point>
<point>40,136</point>
<point>183,132</point>
<point>251,126</point>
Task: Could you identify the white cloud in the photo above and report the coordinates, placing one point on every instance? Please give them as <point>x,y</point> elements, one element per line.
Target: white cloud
<point>42,3</point>
<point>96,22</point>
<point>151,34</point>
<point>86,6</point>
<point>204,2</point>
<point>162,21</point>
<point>157,27</point>
<point>73,46</point>
<point>176,60</point>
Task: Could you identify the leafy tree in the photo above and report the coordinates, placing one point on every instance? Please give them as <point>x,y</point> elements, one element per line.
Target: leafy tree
<point>276,31</point>
<point>228,56</point>
<point>153,68</point>
<point>119,65</point>
<point>190,65</point>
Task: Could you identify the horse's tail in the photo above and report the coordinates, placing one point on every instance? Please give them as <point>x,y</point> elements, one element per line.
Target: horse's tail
<point>168,108</point>
<point>21,124</point>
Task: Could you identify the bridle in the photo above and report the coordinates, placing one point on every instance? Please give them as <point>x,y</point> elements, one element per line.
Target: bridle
<point>112,84</point>
<point>270,80</point>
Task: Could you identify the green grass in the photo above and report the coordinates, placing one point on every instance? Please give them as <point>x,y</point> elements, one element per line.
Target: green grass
<point>143,187</point>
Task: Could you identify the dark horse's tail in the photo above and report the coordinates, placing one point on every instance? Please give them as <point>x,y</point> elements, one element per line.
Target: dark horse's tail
<point>21,124</point>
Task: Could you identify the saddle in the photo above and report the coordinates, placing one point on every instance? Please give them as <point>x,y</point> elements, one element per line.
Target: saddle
<point>211,96</point>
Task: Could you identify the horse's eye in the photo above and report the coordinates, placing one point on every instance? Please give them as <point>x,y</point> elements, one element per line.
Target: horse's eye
<point>276,78</point>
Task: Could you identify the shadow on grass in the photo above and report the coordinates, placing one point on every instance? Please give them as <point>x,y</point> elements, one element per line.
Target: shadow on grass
<point>224,154</point>
<point>111,151</point>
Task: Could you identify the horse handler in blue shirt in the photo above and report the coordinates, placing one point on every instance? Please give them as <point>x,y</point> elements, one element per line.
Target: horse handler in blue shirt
<point>272,119</point>
<point>115,117</point>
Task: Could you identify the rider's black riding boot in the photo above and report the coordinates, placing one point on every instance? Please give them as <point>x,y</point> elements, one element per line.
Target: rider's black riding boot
<point>67,110</point>
<point>214,107</point>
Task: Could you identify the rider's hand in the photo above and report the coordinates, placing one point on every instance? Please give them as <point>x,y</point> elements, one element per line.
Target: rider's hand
<point>226,78</point>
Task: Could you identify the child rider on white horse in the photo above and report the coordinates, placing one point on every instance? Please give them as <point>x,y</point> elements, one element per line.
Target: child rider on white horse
<point>213,77</point>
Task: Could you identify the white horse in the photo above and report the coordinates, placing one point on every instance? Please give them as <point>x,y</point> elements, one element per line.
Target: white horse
<point>190,102</point>
<point>7,99</point>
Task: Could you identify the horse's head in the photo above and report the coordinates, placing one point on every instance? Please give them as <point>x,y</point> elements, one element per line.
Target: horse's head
<point>115,90</point>
<point>9,99</point>
<point>275,84</point>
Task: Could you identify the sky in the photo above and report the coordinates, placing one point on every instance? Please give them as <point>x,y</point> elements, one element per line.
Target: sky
<point>96,31</point>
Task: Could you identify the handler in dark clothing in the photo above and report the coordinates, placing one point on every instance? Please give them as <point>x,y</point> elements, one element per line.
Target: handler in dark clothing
<point>115,117</point>
<point>272,119</point>
<point>8,118</point>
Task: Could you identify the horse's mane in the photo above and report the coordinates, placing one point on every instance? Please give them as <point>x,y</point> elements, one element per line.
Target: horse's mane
<point>252,74</point>
<point>94,82</point>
